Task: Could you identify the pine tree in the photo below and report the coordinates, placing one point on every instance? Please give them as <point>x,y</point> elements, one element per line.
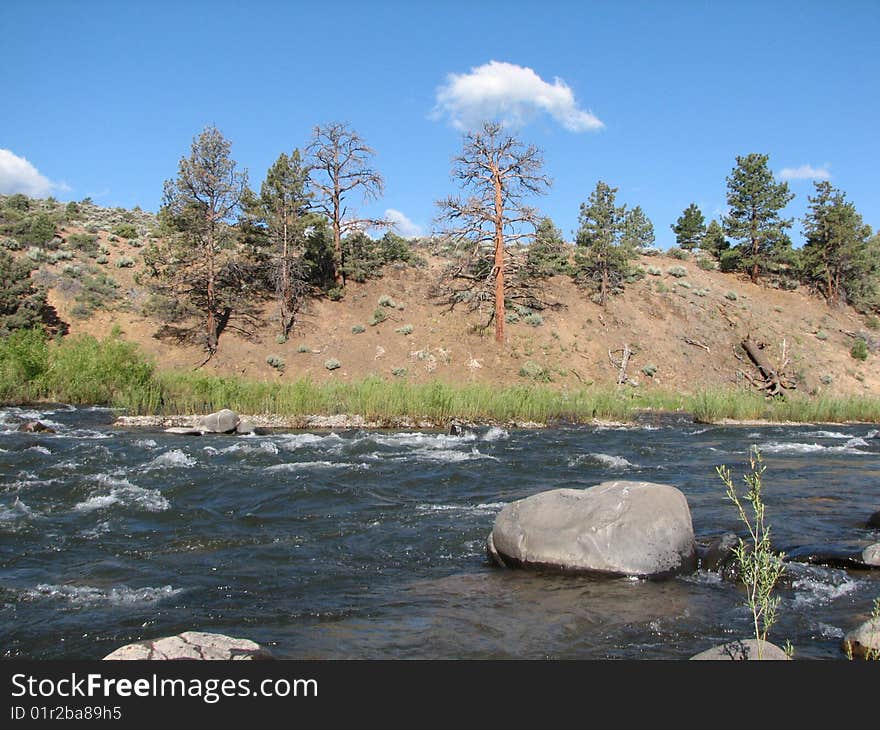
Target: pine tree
<point>499,172</point>
<point>548,254</point>
<point>715,243</point>
<point>637,232</point>
<point>200,264</point>
<point>836,256</point>
<point>283,207</point>
<point>690,228</point>
<point>602,260</point>
<point>756,201</point>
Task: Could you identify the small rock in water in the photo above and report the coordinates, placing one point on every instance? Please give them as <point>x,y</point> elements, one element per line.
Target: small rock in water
<point>35,427</point>
<point>719,556</point>
<point>192,645</point>
<point>617,528</point>
<point>864,639</point>
<point>743,650</point>
<point>874,520</point>
<point>184,431</point>
<point>871,554</point>
<point>245,427</point>
<point>223,421</point>
<point>831,556</point>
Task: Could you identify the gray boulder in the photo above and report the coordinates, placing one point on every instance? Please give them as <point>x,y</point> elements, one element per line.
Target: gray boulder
<point>743,650</point>
<point>617,528</point>
<point>223,421</point>
<point>871,555</point>
<point>192,645</point>
<point>864,639</point>
<point>245,427</point>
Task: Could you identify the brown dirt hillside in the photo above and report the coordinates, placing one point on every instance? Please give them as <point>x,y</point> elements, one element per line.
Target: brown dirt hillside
<point>656,317</point>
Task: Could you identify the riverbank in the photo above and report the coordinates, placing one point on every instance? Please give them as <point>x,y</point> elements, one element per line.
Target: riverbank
<point>114,372</point>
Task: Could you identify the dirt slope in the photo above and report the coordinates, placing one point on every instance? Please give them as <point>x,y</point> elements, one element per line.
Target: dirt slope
<point>655,317</point>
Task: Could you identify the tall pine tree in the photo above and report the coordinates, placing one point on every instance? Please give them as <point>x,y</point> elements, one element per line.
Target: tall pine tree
<point>755,202</point>
<point>836,257</point>
<point>602,259</point>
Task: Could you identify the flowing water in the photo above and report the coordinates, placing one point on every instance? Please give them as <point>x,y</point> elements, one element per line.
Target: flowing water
<point>371,544</point>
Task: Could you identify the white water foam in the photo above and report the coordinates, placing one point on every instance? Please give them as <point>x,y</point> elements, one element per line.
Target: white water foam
<point>306,465</point>
<point>125,493</point>
<point>827,435</point>
<point>39,450</point>
<point>495,434</point>
<point>264,447</point>
<point>820,586</point>
<point>145,444</point>
<point>115,596</point>
<point>777,447</point>
<point>16,512</point>
<point>607,460</point>
<point>294,441</point>
<point>174,459</point>
<point>488,508</point>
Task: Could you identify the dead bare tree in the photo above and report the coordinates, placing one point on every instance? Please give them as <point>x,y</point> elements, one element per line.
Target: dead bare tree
<point>499,172</point>
<point>339,164</point>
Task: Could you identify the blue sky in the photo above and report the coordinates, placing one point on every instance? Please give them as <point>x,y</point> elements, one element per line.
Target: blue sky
<point>656,98</point>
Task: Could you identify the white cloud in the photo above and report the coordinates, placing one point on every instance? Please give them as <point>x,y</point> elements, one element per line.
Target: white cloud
<point>17,175</point>
<point>403,225</point>
<point>510,93</point>
<point>805,172</point>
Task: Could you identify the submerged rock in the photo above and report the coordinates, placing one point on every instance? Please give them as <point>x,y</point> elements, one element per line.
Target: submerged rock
<point>719,556</point>
<point>35,427</point>
<point>831,556</point>
<point>617,528</point>
<point>743,650</point>
<point>223,421</point>
<point>864,639</point>
<point>192,645</point>
<point>874,520</point>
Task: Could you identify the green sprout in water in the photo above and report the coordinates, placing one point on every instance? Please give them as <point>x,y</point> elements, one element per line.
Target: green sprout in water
<point>760,567</point>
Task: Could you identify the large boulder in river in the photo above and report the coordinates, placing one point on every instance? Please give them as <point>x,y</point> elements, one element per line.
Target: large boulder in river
<point>871,555</point>
<point>223,421</point>
<point>615,528</point>
<point>742,650</point>
<point>864,639</point>
<point>192,645</point>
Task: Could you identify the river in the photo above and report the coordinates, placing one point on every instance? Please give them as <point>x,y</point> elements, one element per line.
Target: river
<point>371,544</point>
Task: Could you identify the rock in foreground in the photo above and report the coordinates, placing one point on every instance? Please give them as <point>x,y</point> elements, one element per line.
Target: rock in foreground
<point>742,650</point>
<point>864,639</point>
<point>192,645</point>
<point>35,427</point>
<point>617,528</point>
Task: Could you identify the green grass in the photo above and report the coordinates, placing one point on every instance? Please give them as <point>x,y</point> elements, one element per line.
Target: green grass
<point>82,370</point>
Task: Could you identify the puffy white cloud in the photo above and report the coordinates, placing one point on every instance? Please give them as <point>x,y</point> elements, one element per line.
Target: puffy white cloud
<point>510,93</point>
<point>805,172</point>
<point>17,175</point>
<point>403,225</point>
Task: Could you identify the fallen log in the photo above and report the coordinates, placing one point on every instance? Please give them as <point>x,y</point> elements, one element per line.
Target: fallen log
<point>774,380</point>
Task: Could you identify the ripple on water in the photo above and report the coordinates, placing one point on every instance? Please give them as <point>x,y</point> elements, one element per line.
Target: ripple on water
<point>123,492</point>
<point>91,595</point>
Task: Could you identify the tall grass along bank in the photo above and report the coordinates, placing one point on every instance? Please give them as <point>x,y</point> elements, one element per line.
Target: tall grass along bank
<point>85,371</point>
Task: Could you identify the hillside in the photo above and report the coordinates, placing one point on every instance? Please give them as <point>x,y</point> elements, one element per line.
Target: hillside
<point>684,331</point>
